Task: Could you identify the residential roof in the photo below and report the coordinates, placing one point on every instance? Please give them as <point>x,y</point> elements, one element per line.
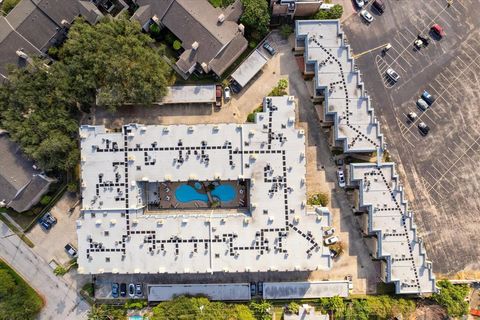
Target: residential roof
<point>197,21</point>
<point>124,173</point>
<point>249,68</point>
<point>305,290</point>
<point>34,25</point>
<point>20,183</point>
<point>219,291</point>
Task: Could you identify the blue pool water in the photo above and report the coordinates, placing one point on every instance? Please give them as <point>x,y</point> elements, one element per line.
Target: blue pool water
<point>198,185</point>
<point>186,193</point>
<point>135,318</point>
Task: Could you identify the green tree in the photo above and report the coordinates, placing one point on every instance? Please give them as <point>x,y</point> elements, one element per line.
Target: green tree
<point>335,12</point>
<point>176,45</point>
<point>452,298</point>
<point>110,63</point>
<point>104,312</point>
<point>293,307</point>
<point>334,305</point>
<point>256,16</point>
<point>8,284</point>
<point>261,310</point>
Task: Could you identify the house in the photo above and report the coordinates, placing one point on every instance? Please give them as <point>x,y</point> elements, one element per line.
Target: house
<point>33,26</point>
<point>211,37</point>
<point>21,183</point>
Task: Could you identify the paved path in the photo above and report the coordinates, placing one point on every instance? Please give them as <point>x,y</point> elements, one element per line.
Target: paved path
<point>62,300</point>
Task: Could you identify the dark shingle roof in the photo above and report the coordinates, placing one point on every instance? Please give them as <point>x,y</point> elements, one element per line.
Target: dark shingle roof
<point>31,194</point>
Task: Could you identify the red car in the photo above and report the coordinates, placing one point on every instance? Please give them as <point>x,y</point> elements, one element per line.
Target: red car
<point>218,96</point>
<point>438,30</point>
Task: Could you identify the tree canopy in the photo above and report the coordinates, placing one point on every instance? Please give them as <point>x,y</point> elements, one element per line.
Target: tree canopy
<point>111,61</point>
<point>335,12</point>
<point>200,308</point>
<point>452,298</point>
<point>256,17</point>
<point>110,64</point>
<point>105,312</point>
<point>17,299</point>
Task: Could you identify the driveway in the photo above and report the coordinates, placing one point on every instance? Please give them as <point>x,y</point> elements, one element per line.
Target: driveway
<point>62,300</point>
<point>50,245</point>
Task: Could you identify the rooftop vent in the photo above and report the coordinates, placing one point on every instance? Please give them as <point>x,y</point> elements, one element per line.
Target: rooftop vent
<point>155,19</point>
<point>241,28</point>
<point>195,45</point>
<point>221,18</point>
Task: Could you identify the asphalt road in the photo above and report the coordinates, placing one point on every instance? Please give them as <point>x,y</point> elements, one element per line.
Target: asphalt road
<point>440,170</point>
<point>62,300</point>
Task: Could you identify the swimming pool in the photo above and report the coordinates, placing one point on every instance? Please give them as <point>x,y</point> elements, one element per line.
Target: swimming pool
<point>136,317</point>
<point>186,193</point>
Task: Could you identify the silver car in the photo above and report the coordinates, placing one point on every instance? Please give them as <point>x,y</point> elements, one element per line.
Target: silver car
<point>366,15</point>
<point>422,105</point>
<point>392,74</point>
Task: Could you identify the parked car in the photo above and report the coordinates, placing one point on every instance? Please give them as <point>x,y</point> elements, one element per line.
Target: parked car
<point>418,43</point>
<point>412,116</point>
<point>331,240</point>
<point>341,179</point>
<point>424,129</point>
<point>115,290</point>
<point>422,105</point>
<point>328,232</point>
<point>123,290</point>
<point>438,30</point>
<point>45,224</point>
<point>392,74</point>
<point>379,5</point>
<point>50,218</point>
<point>428,97</point>
<point>253,288</point>
<point>138,289</point>
<point>333,253</point>
<point>260,288</point>
<point>131,290</point>
<point>269,48</point>
<point>218,96</point>
<point>72,252</point>
<point>226,94</point>
<point>366,15</point>
<point>425,39</point>
<point>360,3</point>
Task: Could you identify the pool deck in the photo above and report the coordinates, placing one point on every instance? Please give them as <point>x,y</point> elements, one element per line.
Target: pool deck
<point>161,196</point>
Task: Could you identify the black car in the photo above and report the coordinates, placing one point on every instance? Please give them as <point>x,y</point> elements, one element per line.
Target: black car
<point>424,129</point>
<point>269,48</point>
<point>115,290</point>
<point>123,289</point>
<point>45,224</point>
<point>138,289</point>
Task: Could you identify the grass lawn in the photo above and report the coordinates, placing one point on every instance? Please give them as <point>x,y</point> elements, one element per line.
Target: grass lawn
<point>22,302</point>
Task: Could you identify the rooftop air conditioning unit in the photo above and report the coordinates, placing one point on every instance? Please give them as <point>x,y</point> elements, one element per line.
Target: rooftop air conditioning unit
<point>241,28</point>
<point>221,18</point>
<point>195,45</point>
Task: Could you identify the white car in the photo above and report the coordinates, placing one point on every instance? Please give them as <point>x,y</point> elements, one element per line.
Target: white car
<point>360,3</point>
<point>422,105</point>
<point>418,43</point>
<point>331,240</point>
<point>412,116</point>
<point>366,15</point>
<point>393,75</point>
<point>328,232</point>
<point>341,179</point>
<point>226,93</point>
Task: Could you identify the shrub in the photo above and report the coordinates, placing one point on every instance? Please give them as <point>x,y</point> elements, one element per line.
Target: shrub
<point>45,200</point>
<point>8,5</point>
<point>318,199</point>
<point>251,115</point>
<point>286,30</point>
<point>176,45</point>
<point>154,29</point>
<point>293,307</point>
<point>280,89</point>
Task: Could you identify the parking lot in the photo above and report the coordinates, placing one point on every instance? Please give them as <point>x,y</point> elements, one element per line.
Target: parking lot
<point>50,245</point>
<point>439,170</point>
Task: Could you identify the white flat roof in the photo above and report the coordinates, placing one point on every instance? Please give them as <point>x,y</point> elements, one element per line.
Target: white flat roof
<point>336,73</point>
<point>249,68</point>
<point>190,94</point>
<point>276,233</point>
<point>305,290</point>
<point>223,292</point>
